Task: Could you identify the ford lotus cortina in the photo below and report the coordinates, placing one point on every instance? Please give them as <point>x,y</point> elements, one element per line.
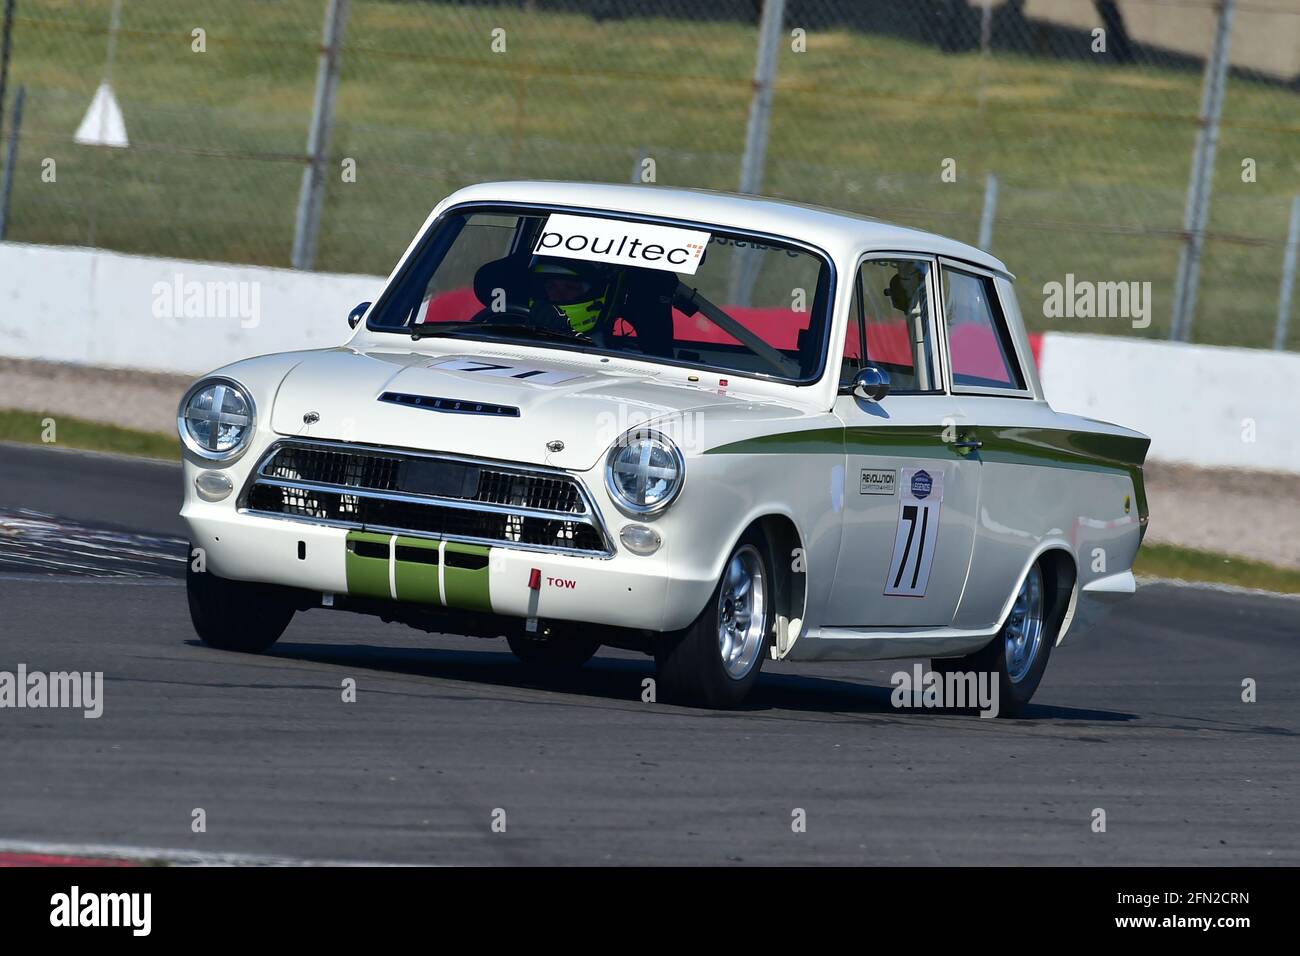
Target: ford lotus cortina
<point>715,429</point>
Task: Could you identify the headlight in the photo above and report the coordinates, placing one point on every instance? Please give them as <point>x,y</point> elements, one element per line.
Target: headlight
<point>216,419</point>
<point>644,472</point>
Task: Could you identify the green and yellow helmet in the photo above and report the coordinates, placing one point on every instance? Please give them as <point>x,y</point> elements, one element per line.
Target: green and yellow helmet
<point>578,292</point>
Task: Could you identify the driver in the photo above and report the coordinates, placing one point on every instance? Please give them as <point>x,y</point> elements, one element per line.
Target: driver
<point>907,288</point>
<point>567,296</point>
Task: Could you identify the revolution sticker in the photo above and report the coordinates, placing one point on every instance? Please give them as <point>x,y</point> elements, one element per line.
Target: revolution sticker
<point>878,481</point>
<point>918,529</point>
<point>616,241</point>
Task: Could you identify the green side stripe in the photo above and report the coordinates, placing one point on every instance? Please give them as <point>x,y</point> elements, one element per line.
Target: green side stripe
<point>813,441</point>
<point>1005,444</point>
<point>912,441</point>
<point>467,587</point>
<point>1060,447</point>
<point>1059,444</point>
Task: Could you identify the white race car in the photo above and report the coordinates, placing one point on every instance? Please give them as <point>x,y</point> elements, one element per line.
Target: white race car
<point>714,428</point>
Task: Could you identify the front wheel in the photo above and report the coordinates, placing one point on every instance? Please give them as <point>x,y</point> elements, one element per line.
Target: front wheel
<point>1018,655</point>
<point>235,615</point>
<point>716,661</point>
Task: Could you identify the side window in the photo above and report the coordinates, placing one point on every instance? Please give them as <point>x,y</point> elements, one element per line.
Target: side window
<point>978,342</point>
<point>892,302</point>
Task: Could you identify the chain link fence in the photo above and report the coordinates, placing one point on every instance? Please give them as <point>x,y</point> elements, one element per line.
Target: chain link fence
<point>1085,112</point>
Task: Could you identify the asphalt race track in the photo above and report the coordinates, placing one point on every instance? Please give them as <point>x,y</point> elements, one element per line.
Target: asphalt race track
<point>1144,720</point>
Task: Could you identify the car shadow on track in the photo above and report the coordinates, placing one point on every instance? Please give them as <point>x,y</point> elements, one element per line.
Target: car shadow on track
<point>622,680</point>
<point>797,692</point>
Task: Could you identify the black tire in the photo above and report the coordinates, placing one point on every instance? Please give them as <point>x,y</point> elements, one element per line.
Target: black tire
<point>1014,693</point>
<point>557,652</point>
<point>235,615</point>
<point>690,664</point>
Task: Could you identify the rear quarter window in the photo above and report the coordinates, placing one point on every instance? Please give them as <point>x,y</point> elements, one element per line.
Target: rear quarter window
<point>979,342</point>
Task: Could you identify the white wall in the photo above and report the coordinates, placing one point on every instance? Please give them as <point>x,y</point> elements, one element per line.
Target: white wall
<point>91,307</point>
<point>1202,405</point>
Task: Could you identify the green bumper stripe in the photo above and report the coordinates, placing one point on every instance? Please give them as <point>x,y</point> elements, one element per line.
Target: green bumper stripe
<point>467,587</point>
<point>465,575</point>
<point>417,580</point>
<point>367,576</point>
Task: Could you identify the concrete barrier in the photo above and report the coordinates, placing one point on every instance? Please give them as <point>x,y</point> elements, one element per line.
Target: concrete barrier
<point>1201,405</point>
<point>91,307</point>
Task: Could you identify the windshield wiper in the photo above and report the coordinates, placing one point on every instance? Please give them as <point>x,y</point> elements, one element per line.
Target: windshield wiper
<point>506,328</point>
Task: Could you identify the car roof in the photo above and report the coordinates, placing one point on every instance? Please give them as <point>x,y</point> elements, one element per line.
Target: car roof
<point>843,234</point>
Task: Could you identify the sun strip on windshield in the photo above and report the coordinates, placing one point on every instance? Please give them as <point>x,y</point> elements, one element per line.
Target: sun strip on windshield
<point>620,242</point>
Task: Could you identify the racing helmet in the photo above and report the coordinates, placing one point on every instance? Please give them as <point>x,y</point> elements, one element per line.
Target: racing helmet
<point>576,289</point>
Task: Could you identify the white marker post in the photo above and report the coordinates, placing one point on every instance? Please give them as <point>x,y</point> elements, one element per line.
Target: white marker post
<point>103,124</point>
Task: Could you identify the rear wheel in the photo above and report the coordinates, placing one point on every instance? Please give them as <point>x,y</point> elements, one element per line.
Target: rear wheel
<point>555,652</point>
<point>236,615</point>
<point>1018,655</point>
<point>716,661</point>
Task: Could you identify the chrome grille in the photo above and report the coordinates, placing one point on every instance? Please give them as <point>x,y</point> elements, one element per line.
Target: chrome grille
<point>447,496</point>
<point>331,467</point>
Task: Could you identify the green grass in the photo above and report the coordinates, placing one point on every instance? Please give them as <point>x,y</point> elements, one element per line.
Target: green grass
<point>1187,564</point>
<point>1089,155</point>
<point>69,432</point>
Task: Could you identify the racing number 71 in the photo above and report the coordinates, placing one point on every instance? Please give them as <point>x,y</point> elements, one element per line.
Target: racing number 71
<point>918,528</point>
<point>911,517</point>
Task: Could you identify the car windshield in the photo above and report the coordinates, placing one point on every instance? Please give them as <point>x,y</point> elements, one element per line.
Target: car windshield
<point>682,294</point>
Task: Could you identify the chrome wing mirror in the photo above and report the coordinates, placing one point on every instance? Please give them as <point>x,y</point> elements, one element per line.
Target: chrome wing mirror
<point>870,384</point>
<point>355,315</point>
